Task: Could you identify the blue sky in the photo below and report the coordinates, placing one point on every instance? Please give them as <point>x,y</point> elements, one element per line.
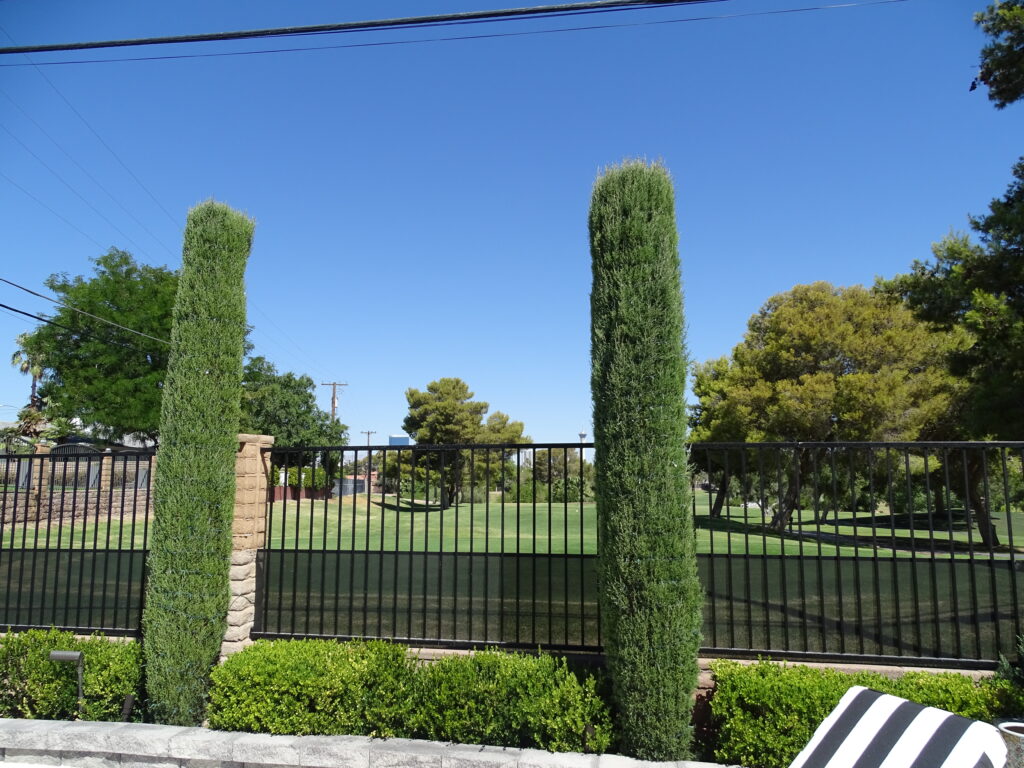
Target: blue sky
<point>421,208</point>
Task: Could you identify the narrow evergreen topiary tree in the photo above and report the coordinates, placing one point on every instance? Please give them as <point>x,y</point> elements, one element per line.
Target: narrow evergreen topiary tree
<point>650,595</point>
<point>187,588</point>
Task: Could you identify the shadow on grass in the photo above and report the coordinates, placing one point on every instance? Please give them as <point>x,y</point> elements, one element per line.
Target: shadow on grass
<point>408,506</point>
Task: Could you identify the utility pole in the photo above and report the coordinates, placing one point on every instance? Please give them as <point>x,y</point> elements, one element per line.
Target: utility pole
<point>369,456</point>
<point>334,395</point>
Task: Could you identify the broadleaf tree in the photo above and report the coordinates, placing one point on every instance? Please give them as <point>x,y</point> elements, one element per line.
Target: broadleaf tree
<point>284,405</point>
<point>107,378</point>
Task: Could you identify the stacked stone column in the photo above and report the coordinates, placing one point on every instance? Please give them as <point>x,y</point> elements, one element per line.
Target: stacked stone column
<point>252,479</point>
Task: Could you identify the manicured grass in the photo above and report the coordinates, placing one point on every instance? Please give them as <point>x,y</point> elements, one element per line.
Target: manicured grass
<point>387,523</point>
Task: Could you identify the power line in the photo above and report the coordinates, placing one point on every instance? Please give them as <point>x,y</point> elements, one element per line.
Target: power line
<point>29,194</point>
<point>99,138</point>
<point>86,172</point>
<point>74,191</point>
<point>560,10</point>
<point>67,328</point>
<point>453,38</point>
<point>83,312</point>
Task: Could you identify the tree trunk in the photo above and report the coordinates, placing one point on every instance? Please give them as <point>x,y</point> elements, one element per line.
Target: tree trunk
<point>938,501</point>
<point>723,493</point>
<point>978,504</point>
<point>785,509</point>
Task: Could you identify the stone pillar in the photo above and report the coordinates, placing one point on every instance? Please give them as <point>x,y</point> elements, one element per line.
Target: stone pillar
<point>252,479</point>
<point>40,469</point>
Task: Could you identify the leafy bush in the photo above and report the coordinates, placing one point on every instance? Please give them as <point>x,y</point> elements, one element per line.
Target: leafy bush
<point>510,700</point>
<point>372,688</point>
<point>32,686</point>
<point>313,687</point>
<point>765,713</point>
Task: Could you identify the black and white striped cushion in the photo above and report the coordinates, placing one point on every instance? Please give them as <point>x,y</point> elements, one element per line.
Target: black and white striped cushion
<point>868,729</point>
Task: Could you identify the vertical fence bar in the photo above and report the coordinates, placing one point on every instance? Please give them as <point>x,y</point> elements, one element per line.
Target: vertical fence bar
<point>990,522</point>
<point>929,508</point>
<point>1010,544</point>
<point>913,552</point>
<point>969,514</point>
<point>382,475</point>
<point>948,492</point>
<point>748,587</point>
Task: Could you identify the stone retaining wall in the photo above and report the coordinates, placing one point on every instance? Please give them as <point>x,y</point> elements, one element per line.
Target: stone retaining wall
<point>135,745</point>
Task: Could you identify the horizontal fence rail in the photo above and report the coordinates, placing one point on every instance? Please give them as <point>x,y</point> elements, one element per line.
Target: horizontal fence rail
<point>875,551</point>
<point>73,539</point>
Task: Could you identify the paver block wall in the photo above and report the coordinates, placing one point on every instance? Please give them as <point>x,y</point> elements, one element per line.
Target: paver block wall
<point>248,534</point>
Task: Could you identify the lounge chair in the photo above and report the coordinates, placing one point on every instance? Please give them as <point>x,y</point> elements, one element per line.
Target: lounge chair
<point>868,729</point>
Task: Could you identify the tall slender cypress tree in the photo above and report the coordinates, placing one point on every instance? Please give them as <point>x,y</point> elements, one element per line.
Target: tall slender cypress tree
<point>650,595</point>
<point>188,589</point>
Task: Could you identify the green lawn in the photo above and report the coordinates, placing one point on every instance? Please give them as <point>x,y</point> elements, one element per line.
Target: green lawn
<point>386,523</point>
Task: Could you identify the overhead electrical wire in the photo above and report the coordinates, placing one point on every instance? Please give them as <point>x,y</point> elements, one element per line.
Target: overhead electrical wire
<point>29,194</point>
<point>434,20</point>
<point>92,178</point>
<point>452,38</point>
<point>74,191</point>
<point>67,328</point>
<point>92,130</point>
<point>82,311</point>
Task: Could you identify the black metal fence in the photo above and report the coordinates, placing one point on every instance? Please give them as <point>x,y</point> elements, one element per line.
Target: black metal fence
<point>73,532</point>
<point>871,551</point>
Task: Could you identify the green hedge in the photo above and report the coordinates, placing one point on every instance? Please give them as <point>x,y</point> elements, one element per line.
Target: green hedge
<point>763,714</point>
<point>32,686</point>
<point>372,688</point>
<point>313,687</point>
<point>510,700</point>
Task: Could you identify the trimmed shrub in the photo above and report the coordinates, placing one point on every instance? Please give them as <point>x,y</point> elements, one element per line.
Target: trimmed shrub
<point>187,588</point>
<point>650,595</point>
<point>314,687</point>
<point>32,686</point>
<point>510,700</point>
<point>372,688</point>
<point>765,713</point>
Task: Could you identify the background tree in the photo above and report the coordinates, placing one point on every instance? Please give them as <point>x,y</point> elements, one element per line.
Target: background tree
<point>821,363</point>
<point>978,290</point>
<point>1002,59</point>
<point>284,405</point>
<point>106,377</point>
<point>29,364</point>
<point>650,595</point>
<point>187,587</point>
<point>446,414</point>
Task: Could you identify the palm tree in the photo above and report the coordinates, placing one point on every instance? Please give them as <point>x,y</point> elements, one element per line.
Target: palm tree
<point>26,362</point>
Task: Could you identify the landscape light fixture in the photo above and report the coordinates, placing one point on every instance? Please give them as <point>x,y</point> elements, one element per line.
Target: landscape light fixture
<point>78,659</point>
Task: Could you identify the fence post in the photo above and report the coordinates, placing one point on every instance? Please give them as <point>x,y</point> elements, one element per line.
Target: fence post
<point>252,474</point>
<point>40,482</point>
